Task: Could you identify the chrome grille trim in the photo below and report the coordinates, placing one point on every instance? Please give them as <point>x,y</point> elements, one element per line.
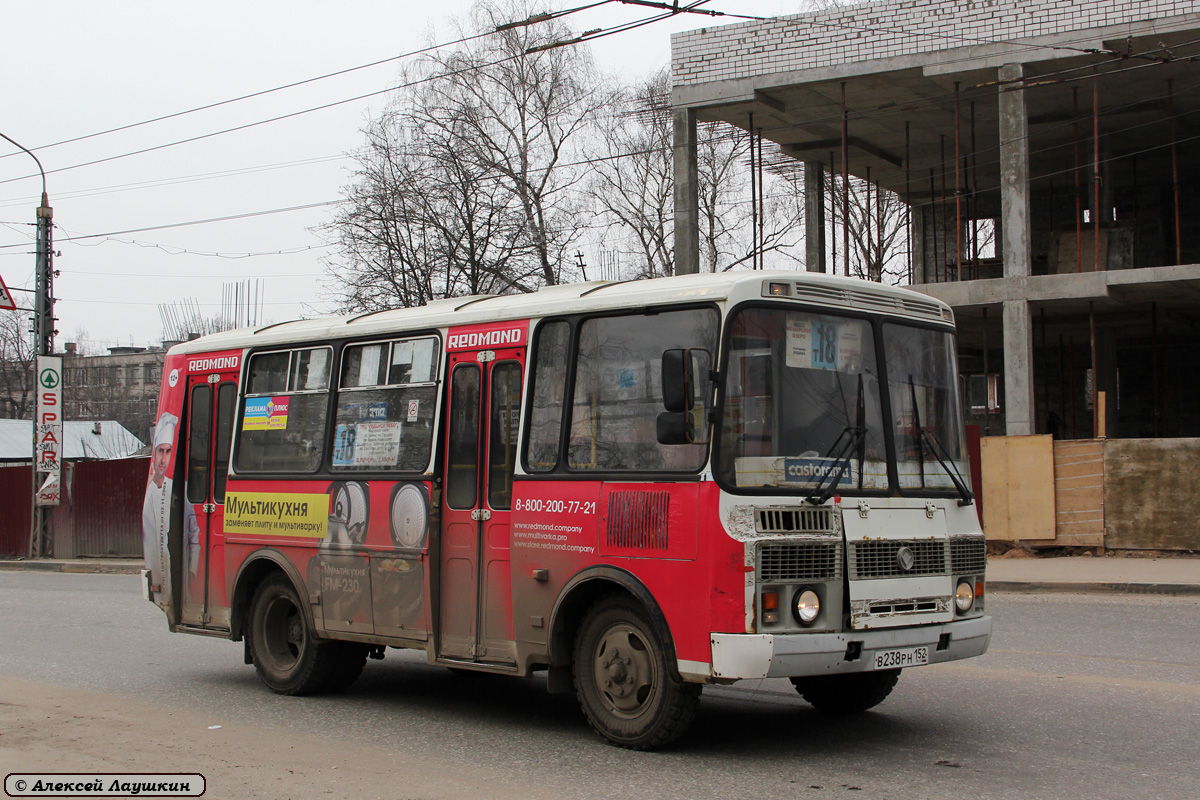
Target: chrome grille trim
<point>968,556</point>
<point>801,561</point>
<point>793,520</point>
<point>877,558</point>
<point>905,606</point>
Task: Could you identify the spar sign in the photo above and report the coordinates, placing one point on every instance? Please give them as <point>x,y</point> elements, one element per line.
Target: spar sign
<point>48,430</point>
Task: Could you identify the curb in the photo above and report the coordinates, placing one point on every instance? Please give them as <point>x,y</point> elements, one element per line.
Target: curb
<point>1091,587</point>
<point>74,567</point>
<point>99,567</point>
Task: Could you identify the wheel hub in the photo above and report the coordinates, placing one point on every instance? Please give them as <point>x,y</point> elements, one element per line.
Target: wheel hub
<point>624,670</point>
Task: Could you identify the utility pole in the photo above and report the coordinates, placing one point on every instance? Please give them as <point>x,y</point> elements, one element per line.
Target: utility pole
<point>47,423</point>
<point>44,286</point>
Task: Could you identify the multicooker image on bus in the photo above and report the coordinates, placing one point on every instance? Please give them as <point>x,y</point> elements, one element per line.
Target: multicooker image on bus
<point>638,488</point>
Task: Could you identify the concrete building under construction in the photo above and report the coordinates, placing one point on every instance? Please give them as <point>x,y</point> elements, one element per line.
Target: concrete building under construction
<point>1046,157</point>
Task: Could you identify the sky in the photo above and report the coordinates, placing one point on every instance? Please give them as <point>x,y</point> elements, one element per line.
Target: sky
<point>72,68</point>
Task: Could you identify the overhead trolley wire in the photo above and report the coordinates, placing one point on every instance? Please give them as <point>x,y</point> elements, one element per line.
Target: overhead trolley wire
<point>672,10</point>
<point>582,162</point>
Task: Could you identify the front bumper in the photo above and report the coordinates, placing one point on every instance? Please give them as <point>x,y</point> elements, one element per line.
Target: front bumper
<point>738,656</point>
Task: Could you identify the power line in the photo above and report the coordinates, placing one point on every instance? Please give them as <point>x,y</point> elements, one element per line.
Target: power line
<point>174,250</point>
<point>586,37</point>
<point>154,184</point>
<point>858,115</point>
<point>582,162</point>
<point>290,115</point>
<point>261,93</point>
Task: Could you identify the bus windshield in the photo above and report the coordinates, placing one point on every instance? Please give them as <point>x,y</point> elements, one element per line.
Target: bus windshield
<point>803,408</point>
<point>923,388</point>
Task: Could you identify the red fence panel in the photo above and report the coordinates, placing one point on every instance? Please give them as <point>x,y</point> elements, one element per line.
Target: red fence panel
<point>106,506</point>
<point>16,500</point>
<point>101,512</point>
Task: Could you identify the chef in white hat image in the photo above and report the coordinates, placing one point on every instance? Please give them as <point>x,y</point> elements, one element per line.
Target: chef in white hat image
<point>156,510</point>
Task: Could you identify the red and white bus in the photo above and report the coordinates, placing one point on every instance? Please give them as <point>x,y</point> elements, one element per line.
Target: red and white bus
<point>640,487</point>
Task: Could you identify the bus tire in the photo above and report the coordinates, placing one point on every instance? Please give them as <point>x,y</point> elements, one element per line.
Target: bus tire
<point>852,693</point>
<point>623,681</point>
<point>288,656</point>
<point>350,658</point>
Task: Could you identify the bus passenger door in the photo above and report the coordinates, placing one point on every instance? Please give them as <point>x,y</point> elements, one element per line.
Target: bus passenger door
<point>476,586</point>
<point>210,410</point>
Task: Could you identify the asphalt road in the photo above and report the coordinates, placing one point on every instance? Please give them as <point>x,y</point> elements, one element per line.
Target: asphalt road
<point>1092,696</point>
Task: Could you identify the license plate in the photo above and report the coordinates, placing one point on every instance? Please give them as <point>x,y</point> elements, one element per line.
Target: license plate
<point>910,657</point>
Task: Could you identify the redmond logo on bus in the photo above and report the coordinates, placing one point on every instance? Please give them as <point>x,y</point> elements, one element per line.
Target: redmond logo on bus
<point>493,338</point>
<point>211,364</point>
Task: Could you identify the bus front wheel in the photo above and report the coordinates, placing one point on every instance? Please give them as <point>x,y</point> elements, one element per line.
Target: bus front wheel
<point>624,683</point>
<point>851,693</point>
<point>288,656</point>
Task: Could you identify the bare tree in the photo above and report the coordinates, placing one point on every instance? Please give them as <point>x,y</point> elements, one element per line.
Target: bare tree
<point>524,104</point>
<point>878,226</point>
<point>380,228</point>
<point>634,187</point>
<point>722,178</point>
<point>463,185</point>
<point>17,353</point>
<point>421,220</point>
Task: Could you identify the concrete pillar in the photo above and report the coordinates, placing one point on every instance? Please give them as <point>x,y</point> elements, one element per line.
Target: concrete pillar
<point>687,205</point>
<point>1019,404</point>
<point>918,244</point>
<point>1014,175</point>
<point>814,216</point>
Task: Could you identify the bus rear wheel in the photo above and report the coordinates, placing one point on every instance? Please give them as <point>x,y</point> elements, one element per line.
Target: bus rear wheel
<point>288,656</point>
<point>851,693</point>
<point>624,683</point>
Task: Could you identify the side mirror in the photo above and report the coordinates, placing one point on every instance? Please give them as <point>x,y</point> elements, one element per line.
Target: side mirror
<point>674,427</point>
<point>685,420</point>
<point>677,392</point>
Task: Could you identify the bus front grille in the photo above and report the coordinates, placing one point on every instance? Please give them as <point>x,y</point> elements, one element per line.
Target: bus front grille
<point>968,556</point>
<point>806,561</point>
<point>793,520</point>
<point>882,559</point>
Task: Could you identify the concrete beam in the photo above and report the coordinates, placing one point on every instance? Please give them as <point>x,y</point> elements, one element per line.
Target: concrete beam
<point>1116,286</point>
<point>770,102</point>
<point>687,204</point>
<point>834,144</point>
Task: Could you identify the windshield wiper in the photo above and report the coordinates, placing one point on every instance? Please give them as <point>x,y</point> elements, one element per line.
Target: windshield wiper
<point>853,436</point>
<point>856,437</point>
<point>947,464</point>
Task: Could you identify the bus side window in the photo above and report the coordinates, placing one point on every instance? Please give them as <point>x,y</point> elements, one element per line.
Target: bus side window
<point>283,421</point>
<point>549,384</point>
<point>385,406</point>
<point>618,390</point>
<point>505,413</point>
<point>462,457</point>
<point>199,445</point>
<point>226,410</point>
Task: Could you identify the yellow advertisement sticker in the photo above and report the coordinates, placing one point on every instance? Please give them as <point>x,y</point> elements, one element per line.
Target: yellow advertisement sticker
<point>277,514</point>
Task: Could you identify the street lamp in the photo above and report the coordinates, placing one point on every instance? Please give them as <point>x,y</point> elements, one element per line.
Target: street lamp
<point>43,321</point>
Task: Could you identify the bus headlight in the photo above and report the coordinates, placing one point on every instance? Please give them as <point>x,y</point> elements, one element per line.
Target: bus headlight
<point>806,607</point>
<point>964,597</point>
